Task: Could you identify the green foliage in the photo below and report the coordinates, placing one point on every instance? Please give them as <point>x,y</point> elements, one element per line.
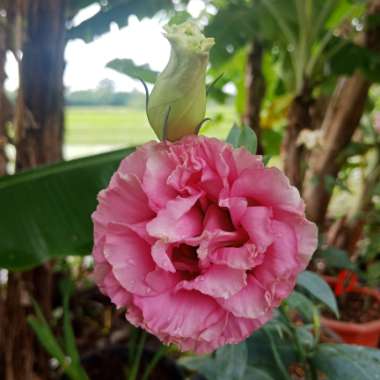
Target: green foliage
<point>114,11</point>
<point>271,140</point>
<point>298,301</point>
<point>243,137</point>
<point>68,358</point>
<point>336,258</point>
<point>234,25</point>
<point>271,351</point>
<point>129,68</point>
<point>297,35</point>
<point>229,363</point>
<point>319,289</point>
<point>347,362</point>
<point>55,202</point>
<point>351,57</point>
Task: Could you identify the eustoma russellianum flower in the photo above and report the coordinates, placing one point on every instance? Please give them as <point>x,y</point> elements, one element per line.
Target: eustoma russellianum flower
<point>199,241</point>
<point>179,94</point>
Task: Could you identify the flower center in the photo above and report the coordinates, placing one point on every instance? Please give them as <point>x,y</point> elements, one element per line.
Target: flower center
<point>185,261</point>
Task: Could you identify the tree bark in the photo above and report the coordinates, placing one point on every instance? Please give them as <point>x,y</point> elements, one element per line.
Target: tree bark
<point>299,118</point>
<point>342,118</point>
<point>255,90</point>
<point>39,140</point>
<point>4,104</point>
<point>39,135</point>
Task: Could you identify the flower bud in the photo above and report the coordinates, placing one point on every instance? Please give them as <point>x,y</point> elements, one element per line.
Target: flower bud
<point>178,99</point>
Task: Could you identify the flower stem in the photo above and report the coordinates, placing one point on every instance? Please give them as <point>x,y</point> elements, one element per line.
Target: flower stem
<point>156,358</point>
<point>136,362</point>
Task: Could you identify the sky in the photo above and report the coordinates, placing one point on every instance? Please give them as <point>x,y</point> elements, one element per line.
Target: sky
<point>141,41</point>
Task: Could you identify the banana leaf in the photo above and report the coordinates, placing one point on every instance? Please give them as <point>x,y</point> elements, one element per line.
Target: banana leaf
<point>45,212</point>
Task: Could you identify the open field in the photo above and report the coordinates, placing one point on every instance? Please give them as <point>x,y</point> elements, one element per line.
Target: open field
<point>119,126</point>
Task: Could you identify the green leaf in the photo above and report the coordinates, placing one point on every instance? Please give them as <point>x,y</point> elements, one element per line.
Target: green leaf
<point>45,212</point>
<point>115,11</point>
<point>266,159</point>
<point>67,287</point>
<point>347,362</point>
<point>45,335</point>
<point>319,289</point>
<point>302,304</point>
<point>231,361</point>
<point>260,353</point>
<point>204,365</point>
<point>243,137</point>
<point>49,342</point>
<point>252,373</point>
<point>336,258</point>
<point>305,337</point>
<point>128,67</point>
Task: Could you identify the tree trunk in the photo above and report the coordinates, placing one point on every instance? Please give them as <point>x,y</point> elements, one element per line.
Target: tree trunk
<point>255,89</point>
<point>4,110</point>
<point>299,118</point>
<point>342,119</point>
<point>39,136</point>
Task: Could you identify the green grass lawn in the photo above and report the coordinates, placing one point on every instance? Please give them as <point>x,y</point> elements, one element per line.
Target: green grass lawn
<point>123,126</point>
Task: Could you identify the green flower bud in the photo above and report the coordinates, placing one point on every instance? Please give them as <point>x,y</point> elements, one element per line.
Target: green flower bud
<point>178,99</point>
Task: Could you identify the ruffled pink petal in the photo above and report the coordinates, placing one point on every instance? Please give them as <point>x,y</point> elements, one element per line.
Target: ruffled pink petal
<point>125,202</point>
<point>118,295</point>
<point>158,168</point>
<point>179,178</point>
<point>282,257</point>
<point>238,329</point>
<point>270,187</point>
<point>245,257</point>
<point>212,240</point>
<point>211,184</point>
<point>184,314</point>
<point>161,281</point>
<point>98,249</point>
<point>306,234</point>
<point>245,160</point>
<point>178,221</point>
<point>258,224</point>
<point>281,266</point>
<point>161,257</point>
<point>135,163</point>
<point>213,282</point>
<point>216,219</point>
<point>129,257</point>
<point>237,207</point>
<point>253,301</point>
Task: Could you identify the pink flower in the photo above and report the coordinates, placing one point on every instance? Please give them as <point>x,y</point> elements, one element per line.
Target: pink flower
<point>199,241</point>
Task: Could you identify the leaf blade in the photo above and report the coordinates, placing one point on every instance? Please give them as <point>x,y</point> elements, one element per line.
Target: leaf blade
<point>56,203</point>
<point>317,287</point>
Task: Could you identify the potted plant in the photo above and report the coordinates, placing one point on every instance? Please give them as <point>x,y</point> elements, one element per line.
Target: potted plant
<point>359,307</point>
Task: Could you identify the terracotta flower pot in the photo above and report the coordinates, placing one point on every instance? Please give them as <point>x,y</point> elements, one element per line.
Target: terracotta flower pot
<point>364,334</point>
